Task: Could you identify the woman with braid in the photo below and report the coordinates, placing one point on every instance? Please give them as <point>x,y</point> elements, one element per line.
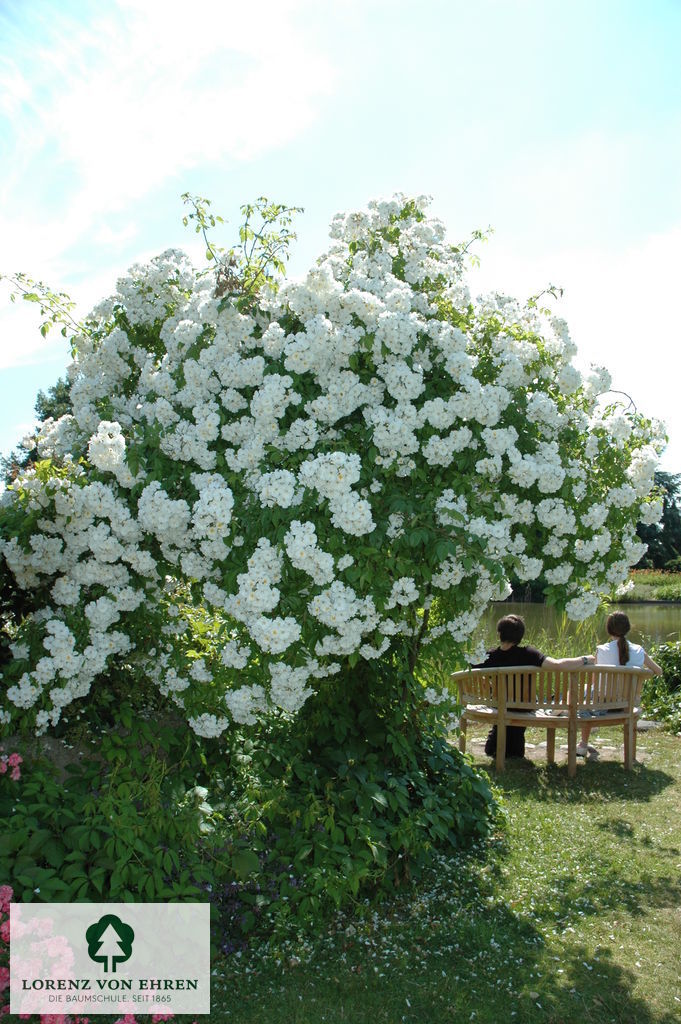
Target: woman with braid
<point>619,651</point>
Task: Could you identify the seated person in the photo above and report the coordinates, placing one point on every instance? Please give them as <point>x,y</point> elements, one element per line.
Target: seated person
<point>618,651</point>
<point>511,630</point>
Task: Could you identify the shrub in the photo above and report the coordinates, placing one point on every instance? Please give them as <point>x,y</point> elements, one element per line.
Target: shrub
<point>313,467</point>
<point>661,698</point>
<point>125,824</point>
<point>256,501</point>
<point>348,801</point>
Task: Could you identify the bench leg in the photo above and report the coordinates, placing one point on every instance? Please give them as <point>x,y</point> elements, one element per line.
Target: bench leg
<point>550,746</point>
<point>501,746</point>
<point>572,748</point>
<point>629,744</point>
<point>462,734</point>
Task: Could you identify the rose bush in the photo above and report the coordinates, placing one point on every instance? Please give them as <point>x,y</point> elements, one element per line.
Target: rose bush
<point>269,502</point>
<point>318,465</point>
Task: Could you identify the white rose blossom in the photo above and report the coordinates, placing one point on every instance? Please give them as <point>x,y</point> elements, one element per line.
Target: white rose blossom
<point>308,476</point>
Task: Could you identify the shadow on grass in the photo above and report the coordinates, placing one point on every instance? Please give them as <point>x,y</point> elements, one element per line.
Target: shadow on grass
<point>600,781</point>
<point>456,950</point>
<point>486,966</point>
<point>597,991</point>
<point>621,828</point>
<point>574,900</point>
<point>599,988</point>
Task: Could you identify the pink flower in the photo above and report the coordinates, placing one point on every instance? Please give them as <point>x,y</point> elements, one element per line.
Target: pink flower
<point>6,894</point>
<point>4,978</point>
<point>161,1016</point>
<point>4,931</point>
<point>13,761</point>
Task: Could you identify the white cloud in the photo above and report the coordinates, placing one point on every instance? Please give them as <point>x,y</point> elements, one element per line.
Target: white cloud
<point>106,235</point>
<point>108,111</point>
<point>180,94</point>
<point>21,343</point>
<point>147,90</point>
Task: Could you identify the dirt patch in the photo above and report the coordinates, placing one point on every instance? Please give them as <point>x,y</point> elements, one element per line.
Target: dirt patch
<point>600,750</point>
<point>57,752</point>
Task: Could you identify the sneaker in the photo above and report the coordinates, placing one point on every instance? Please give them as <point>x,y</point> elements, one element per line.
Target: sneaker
<point>582,749</point>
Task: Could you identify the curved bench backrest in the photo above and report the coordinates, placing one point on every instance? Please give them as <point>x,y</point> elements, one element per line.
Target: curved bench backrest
<point>522,687</point>
<point>526,687</point>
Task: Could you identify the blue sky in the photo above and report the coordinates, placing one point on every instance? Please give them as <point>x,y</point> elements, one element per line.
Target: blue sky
<point>558,124</point>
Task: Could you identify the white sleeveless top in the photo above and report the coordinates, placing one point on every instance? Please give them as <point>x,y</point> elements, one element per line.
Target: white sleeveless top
<point>608,654</point>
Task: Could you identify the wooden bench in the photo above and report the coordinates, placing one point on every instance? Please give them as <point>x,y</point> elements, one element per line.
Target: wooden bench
<point>598,695</point>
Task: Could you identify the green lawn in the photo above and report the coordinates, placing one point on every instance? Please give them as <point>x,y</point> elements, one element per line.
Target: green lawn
<point>575,916</point>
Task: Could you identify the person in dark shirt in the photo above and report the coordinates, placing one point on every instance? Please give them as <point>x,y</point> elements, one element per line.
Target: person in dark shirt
<point>511,630</point>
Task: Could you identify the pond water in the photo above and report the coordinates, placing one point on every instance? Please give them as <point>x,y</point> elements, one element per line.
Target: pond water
<point>659,622</point>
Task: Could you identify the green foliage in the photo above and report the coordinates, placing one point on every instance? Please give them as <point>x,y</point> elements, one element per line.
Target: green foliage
<point>16,601</point>
<point>122,825</point>
<point>56,402</point>
<point>349,801</point>
<point>465,248</point>
<point>53,404</point>
<point>100,713</point>
<point>669,590</point>
<point>265,237</point>
<point>661,698</point>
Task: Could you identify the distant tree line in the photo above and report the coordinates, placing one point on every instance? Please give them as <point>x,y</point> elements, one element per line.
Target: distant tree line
<point>54,403</point>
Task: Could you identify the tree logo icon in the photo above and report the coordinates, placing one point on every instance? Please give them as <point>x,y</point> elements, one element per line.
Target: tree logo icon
<point>109,942</point>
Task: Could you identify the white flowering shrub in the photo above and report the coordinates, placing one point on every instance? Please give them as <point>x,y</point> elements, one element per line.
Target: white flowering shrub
<point>314,467</point>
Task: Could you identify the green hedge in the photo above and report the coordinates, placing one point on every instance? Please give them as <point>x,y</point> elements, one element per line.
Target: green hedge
<point>661,699</point>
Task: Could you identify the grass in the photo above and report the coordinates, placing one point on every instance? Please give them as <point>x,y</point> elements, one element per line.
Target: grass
<point>653,585</point>
<point>574,917</point>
